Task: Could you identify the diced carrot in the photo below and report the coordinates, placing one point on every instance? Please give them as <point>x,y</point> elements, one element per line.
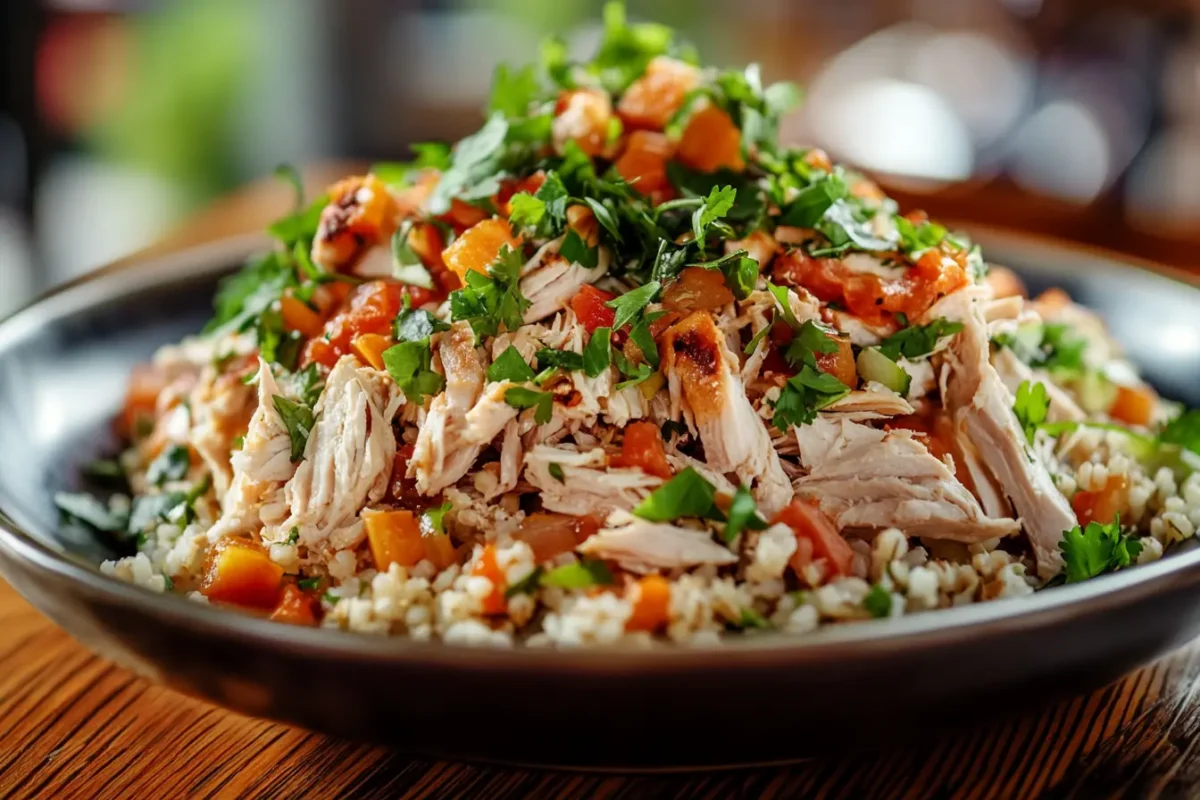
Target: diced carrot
<point>297,316</point>
<point>462,216</point>
<point>840,364</point>
<point>1134,405</point>
<point>698,289</point>
<point>487,567</point>
<point>644,164</point>
<point>643,449</point>
<point>295,607</point>
<point>394,537</point>
<point>588,305</point>
<point>549,535</point>
<point>478,248</point>
<point>370,346</point>
<point>710,141</point>
<point>146,383</point>
<point>582,116</point>
<point>1103,505</point>
<point>440,550</point>
<point>651,604</point>
<point>243,575</point>
<point>582,220</point>
<point>651,100</point>
<point>812,525</point>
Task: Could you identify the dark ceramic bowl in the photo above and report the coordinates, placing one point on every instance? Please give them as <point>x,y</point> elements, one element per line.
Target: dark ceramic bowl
<point>63,366</point>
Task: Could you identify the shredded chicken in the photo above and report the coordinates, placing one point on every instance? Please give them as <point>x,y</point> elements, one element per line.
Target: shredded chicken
<point>586,486</point>
<point>549,281</point>
<point>642,546</point>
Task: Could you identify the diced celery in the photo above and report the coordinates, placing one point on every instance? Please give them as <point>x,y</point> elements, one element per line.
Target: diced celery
<point>875,366</point>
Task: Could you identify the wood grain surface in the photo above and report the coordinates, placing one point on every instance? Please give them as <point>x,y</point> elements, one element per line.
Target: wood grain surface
<point>74,725</point>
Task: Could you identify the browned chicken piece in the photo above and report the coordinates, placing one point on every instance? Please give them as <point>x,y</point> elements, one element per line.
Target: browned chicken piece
<point>361,214</point>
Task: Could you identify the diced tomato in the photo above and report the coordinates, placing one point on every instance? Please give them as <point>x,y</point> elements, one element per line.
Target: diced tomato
<point>297,316</point>
<point>651,604</point>
<point>146,383</point>
<point>582,116</point>
<point>360,214</point>
<point>510,187</point>
<point>651,100</point>
<point>840,364</point>
<point>487,567</point>
<point>372,308</point>
<point>643,164</point>
<point>550,535</point>
<point>1103,505</point>
<point>711,141</point>
<point>463,215</point>
<point>697,289</point>
<point>643,449</point>
<point>478,248</point>
<point>1134,405</point>
<point>242,574</point>
<point>588,305</point>
<point>812,525</point>
<point>296,607</point>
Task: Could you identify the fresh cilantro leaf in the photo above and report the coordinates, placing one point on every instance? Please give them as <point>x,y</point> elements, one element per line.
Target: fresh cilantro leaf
<point>474,167</point>
<point>579,575</point>
<point>428,155</point>
<point>644,339</point>
<point>276,344</point>
<point>1098,548</point>
<point>306,384</point>
<point>809,340</point>
<point>742,514</point>
<point>490,301</point>
<point>715,206</point>
<point>554,62</point>
<point>750,203</point>
<point>527,210</point>
<point>1031,406</point>
<point>291,176</point>
<point>878,602</point>
<point>575,250</point>
<point>513,90</point>
<point>407,266</point>
<point>293,535</point>
<point>630,304</point>
<point>814,201</point>
<point>298,419</point>
<point>688,494</point>
<point>521,397</point>
<point>414,325</point>
<point>410,365</point>
<point>915,238</point>
<point>597,354</point>
<point>804,395</point>
<point>87,509</point>
<point>741,275</point>
<point>299,226</point>
<point>150,509</point>
<point>1053,346</point>
<point>559,359</point>
<point>171,465</point>
<point>1183,430</point>
<point>846,225</point>
<point>781,299</point>
<point>242,297</point>
<point>636,373</point>
<point>752,345</point>
<point>917,341</point>
<point>510,366</point>
<point>556,472</point>
<point>626,49</point>
<point>554,197</point>
<point>308,584</point>
<point>105,470</point>
<point>527,585</point>
<point>605,216</point>
<point>433,521</point>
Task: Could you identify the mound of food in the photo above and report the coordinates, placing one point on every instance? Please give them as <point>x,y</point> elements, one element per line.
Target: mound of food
<point>620,367</point>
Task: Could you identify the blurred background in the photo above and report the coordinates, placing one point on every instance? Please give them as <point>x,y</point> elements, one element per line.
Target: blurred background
<point>118,118</point>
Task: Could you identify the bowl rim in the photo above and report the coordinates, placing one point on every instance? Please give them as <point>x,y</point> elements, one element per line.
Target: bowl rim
<point>865,639</point>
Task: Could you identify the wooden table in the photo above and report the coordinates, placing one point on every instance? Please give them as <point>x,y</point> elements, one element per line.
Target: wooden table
<point>74,725</point>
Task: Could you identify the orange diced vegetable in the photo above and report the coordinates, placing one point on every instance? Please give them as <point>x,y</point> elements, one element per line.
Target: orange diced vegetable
<point>487,567</point>
<point>589,308</point>
<point>698,289</point>
<point>710,141</point>
<point>297,316</point>
<point>840,364</point>
<point>1103,505</point>
<point>549,535</point>
<point>361,213</point>
<point>394,537</point>
<point>370,346</point>
<point>651,604</point>
<point>478,248</point>
<point>644,164</point>
<point>510,187</point>
<point>817,158</point>
<point>372,309</point>
<point>653,99</point>
<point>583,221</point>
<point>440,550</point>
<point>1134,405</point>
<point>243,575</point>
<point>462,216</point>
<point>582,116</point>
<point>811,525</point>
<point>295,607</point>
<point>643,449</point>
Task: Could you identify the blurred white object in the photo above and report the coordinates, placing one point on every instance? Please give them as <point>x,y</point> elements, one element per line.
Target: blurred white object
<point>1062,151</point>
<point>16,269</point>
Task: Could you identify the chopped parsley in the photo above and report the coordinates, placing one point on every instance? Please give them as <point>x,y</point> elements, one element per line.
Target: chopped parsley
<point>172,464</point>
<point>632,303</point>
<point>1056,347</point>
<point>293,535</point>
<point>493,301</point>
<point>556,472</point>
<point>298,419</point>
<point>743,514</point>
<point>688,494</point>
<point>85,508</point>
<point>1031,406</point>
<point>542,402</point>
<point>1183,430</point>
<point>597,354</point>
<point>474,171</point>
<point>433,521</point>
<point>917,341</point>
<point>878,602</point>
<point>411,366</point>
<point>579,575</point>
<point>560,359</point>
<point>308,584</point>
<point>806,393</point>
<point>1096,549</point>
<point>510,366</point>
<point>407,266</point>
